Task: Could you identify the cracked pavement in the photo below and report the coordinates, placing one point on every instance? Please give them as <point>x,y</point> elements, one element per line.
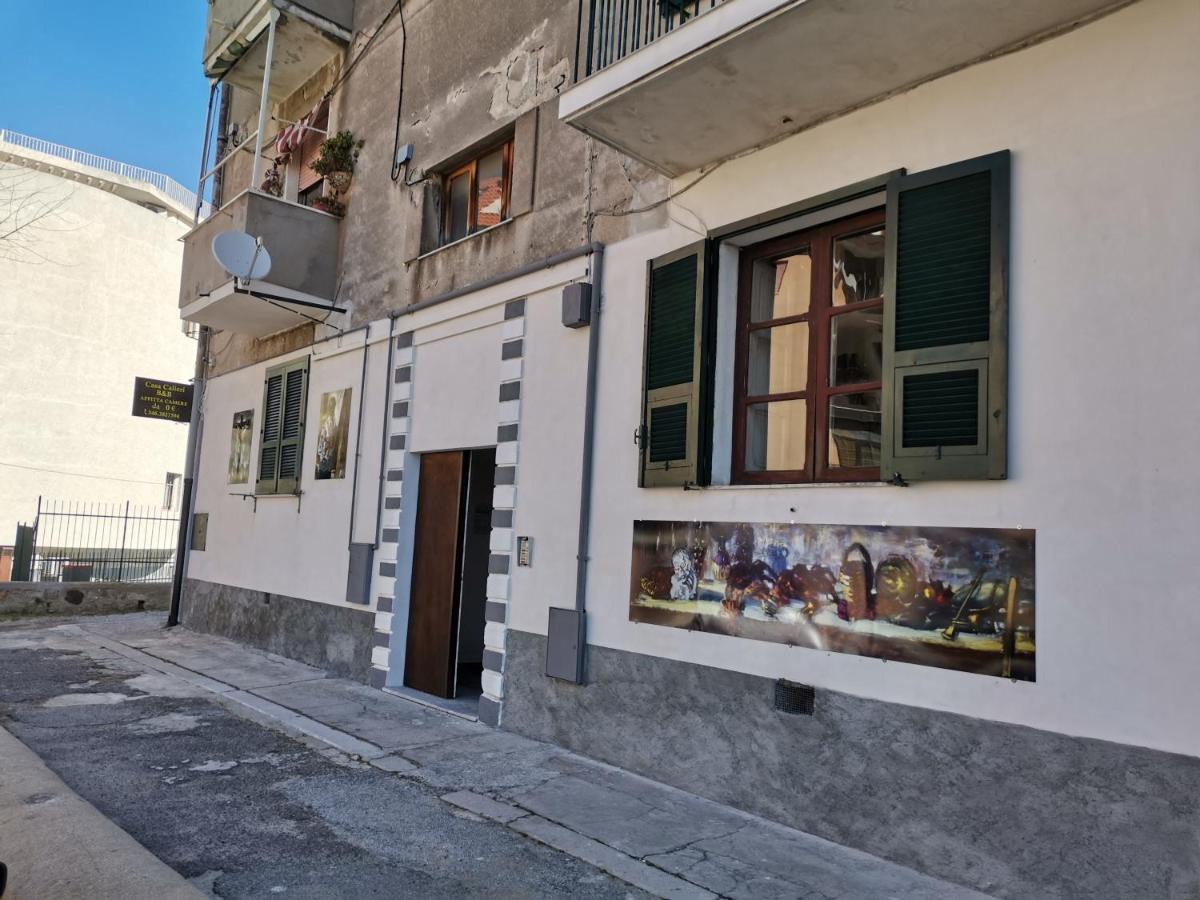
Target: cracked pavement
<point>254,775</point>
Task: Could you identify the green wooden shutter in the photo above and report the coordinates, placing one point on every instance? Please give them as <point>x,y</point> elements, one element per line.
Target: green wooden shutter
<point>945,340</point>
<point>285,394</point>
<point>670,436</point>
<point>268,441</point>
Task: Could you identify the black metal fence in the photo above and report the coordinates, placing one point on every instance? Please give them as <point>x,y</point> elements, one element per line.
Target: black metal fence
<point>75,541</point>
<point>610,30</point>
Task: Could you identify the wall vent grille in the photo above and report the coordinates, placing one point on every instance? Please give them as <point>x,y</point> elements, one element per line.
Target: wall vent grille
<point>795,699</point>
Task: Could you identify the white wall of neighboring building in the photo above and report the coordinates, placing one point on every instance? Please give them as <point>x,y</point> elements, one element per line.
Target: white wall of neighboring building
<point>1104,337</point>
<point>88,305</point>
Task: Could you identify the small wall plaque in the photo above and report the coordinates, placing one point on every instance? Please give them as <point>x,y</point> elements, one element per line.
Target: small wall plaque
<point>524,550</point>
<point>199,531</point>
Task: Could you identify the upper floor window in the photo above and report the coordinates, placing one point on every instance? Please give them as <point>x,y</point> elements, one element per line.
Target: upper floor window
<point>477,194</point>
<point>809,356</point>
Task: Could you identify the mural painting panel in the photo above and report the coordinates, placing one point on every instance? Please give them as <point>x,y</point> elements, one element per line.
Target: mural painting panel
<point>955,598</point>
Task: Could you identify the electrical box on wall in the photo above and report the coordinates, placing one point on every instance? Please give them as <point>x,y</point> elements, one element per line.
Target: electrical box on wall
<point>577,305</point>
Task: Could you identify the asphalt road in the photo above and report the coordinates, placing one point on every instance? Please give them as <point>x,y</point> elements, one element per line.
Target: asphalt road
<point>244,811</point>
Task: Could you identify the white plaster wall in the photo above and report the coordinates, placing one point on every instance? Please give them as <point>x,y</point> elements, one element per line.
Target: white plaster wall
<point>1104,125</point>
<point>456,376</point>
<point>551,442</point>
<point>287,547</point>
<point>89,307</point>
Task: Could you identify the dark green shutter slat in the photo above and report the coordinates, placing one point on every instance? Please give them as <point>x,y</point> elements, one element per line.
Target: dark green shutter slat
<point>941,409</point>
<point>943,258</point>
<point>293,410</point>
<point>268,450</point>
<point>668,432</point>
<point>673,372</point>
<point>672,330</point>
<point>284,397</point>
<point>946,323</point>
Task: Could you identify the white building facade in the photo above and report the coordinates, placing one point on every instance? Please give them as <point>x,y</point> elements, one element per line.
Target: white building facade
<point>82,290</point>
<point>840,505</point>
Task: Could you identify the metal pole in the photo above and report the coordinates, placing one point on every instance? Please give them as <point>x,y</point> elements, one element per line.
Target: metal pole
<point>189,477</point>
<point>208,123</point>
<point>124,531</point>
<point>264,100</point>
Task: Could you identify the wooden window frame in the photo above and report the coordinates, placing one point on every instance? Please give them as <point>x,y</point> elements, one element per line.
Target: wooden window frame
<point>471,170</point>
<point>819,241</point>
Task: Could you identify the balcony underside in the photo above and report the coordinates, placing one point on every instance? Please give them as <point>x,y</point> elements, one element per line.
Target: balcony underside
<point>305,40</point>
<point>751,71</point>
<point>260,310</point>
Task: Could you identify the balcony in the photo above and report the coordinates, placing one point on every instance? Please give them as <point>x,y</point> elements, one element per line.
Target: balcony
<point>263,52</point>
<point>679,84</point>
<point>303,277</point>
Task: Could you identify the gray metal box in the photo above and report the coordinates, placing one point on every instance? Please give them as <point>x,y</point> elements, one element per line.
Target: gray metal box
<point>358,581</point>
<point>577,304</point>
<point>564,658</point>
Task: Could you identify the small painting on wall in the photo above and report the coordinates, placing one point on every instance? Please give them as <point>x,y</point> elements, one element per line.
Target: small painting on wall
<point>954,598</point>
<point>333,434</point>
<point>239,447</point>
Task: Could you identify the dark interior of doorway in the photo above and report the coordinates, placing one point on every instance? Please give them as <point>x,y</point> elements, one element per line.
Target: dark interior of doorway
<point>447,613</point>
<point>476,529</point>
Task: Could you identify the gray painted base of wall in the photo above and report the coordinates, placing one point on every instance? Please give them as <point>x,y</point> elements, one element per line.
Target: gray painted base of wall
<point>1005,809</point>
<point>83,598</point>
<point>335,638</point>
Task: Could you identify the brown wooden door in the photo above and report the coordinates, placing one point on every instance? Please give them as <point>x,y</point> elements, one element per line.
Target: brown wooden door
<point>433,609</point>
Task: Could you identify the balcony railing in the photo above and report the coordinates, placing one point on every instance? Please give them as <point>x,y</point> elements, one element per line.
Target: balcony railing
<point>156,180</point>
<point>610,30</point>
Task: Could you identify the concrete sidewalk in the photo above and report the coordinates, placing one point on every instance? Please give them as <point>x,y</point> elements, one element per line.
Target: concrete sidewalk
<point>657,838</point>
<point>43,823</point>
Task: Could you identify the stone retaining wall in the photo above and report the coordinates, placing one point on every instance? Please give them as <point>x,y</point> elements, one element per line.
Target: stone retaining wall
<point>51,598</point>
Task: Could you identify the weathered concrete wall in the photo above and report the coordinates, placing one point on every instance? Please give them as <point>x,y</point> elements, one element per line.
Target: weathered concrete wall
<point>1013,811</point>
<point>465,86</point>
<point>335,638</point>
<point>85,598</point>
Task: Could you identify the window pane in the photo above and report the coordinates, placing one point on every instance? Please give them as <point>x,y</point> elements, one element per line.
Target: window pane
<point>778,360</point>
<point>775,435</point>
<point>458,200</point>
<point>856,347</point>
<point>781,288</point>
<point>489,209</point>
<point>854,429</point>
<point>858,267</point>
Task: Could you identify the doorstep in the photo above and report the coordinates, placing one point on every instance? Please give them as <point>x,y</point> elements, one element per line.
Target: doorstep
<point>660,839</point>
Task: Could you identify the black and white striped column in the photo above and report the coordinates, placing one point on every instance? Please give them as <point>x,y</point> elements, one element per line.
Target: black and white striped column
<point>504,501</point>
<point>384,584</point>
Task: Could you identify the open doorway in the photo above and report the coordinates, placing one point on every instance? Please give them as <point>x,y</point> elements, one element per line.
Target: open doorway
<point>447,611</point>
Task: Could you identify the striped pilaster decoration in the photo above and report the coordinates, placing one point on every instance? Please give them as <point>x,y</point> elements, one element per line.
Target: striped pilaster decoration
<point>504,501</point>
<point>384,581</point>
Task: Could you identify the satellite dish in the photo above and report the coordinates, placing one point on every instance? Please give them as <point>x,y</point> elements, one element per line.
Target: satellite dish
<point>241,255</point>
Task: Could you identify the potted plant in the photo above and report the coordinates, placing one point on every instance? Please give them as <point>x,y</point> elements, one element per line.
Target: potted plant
<point>331,205</point>
<point>336,158</point>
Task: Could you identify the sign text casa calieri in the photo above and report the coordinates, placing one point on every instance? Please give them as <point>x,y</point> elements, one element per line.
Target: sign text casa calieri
<point>154,399</point>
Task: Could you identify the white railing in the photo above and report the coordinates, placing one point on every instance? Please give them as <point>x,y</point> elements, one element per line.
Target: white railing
<point>157,180</point>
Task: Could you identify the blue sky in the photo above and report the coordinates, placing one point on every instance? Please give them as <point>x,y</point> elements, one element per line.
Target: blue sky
<point>121,78</point>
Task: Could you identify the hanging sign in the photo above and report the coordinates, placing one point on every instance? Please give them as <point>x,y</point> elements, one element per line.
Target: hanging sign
<point>154,399</point>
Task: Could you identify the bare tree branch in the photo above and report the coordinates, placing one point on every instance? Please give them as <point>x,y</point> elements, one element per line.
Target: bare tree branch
<point>28,210</point>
